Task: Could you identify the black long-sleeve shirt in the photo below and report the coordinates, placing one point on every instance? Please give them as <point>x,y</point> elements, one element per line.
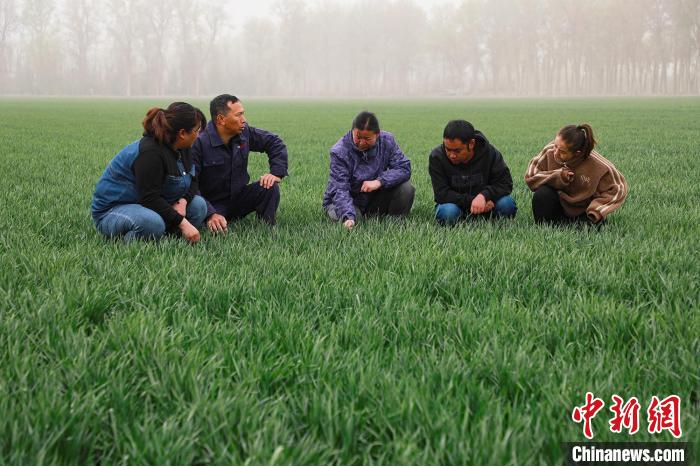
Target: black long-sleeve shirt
<point>153,165</point>
<point>486,173</point>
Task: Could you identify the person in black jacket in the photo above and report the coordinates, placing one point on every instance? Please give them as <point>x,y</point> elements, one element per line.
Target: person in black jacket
<point>150,187</point>
<point>469,176</point>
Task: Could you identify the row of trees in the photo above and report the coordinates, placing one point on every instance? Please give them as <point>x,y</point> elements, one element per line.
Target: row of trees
<point>494,47</point>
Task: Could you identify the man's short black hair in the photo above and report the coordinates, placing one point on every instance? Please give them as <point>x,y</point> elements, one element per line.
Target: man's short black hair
<point>459,129</point>
<point>366,121</point>
<point>219,105</point>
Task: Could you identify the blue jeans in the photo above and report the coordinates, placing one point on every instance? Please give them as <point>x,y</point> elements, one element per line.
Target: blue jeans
<point>449,214</point>
<point>134,221</point>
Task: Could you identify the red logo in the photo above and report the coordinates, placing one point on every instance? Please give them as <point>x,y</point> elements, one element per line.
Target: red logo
<point>662,415</point>
<point>587,412</point>
<point>665,415</point>
<point>626,416</point>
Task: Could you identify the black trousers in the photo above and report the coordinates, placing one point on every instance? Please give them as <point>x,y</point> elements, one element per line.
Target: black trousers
<point>547,208</point>
<point>393,201</point>
<point>254,197</point>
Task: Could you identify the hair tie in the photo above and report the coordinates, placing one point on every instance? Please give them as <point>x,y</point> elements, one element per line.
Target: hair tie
<point>584,131</point>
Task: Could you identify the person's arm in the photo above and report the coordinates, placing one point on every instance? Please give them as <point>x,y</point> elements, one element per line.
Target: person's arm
<point>537,175</point>
<point>194,182</point>
<point>149,173</point>
<point>215,221</point>
<point>197,155</point>
<point>500,181</point>
<point>610,194</point>
<point>399,169</point>
<point>441,186</point>
<point>271,144</point>
<point>340,180</point>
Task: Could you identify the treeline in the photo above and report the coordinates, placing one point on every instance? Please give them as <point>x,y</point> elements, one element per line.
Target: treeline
<point>476,47</point>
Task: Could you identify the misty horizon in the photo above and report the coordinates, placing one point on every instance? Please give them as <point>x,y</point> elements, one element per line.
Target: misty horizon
<point>471,48</point>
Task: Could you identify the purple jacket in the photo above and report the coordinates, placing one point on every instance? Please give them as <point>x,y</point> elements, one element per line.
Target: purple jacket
<point>350,167</point>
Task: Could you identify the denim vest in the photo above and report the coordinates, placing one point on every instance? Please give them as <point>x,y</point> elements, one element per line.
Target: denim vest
<point>175,187</point>
<point>117,185</point>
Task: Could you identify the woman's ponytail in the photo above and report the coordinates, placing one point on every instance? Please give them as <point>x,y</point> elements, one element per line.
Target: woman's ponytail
<point>588,140</point>
<point>164,124</point>
<point>579,138</point>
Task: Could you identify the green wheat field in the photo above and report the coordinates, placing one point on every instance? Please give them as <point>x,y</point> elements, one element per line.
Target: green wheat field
<point>400,342</point>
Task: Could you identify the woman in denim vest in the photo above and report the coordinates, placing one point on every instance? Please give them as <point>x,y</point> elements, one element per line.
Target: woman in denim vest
<point>150,187</point>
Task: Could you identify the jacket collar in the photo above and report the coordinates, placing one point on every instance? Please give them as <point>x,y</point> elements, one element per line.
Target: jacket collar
<point>350,144</point>
<point>215,139</point>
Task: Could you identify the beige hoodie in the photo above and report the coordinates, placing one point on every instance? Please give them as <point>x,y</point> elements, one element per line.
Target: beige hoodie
<point>597,189</point>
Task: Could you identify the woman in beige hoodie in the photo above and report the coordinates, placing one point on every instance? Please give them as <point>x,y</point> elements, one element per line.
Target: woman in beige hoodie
<point>572,182</point>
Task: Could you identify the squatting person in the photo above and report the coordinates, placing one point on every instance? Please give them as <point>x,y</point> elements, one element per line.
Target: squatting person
<point>221,156</point>
<point>150,187</point>
<point>572,182</point>
<point>469,176</point>
<point>368,174</point>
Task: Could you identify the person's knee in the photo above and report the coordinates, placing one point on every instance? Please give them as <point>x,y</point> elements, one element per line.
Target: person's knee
<point>545,195</point>
<point>506,207</point>
<point>330,211</point>
<point>447,213</point>
<point>131,222</point>
<point>152,226</point>
<point>406,192</point>
<point>274,192</point>
<point>197,211</point>
<point>545,204</point>
<point>402,199</point>
<point>149,225</point>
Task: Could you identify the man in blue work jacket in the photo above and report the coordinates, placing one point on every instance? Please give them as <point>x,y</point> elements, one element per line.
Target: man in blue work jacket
<point>220,155</point>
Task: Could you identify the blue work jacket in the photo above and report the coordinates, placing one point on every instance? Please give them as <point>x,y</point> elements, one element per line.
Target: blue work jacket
<point>223,168</point>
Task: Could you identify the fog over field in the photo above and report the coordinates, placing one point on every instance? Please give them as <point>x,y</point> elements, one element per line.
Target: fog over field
<point>328,48</point>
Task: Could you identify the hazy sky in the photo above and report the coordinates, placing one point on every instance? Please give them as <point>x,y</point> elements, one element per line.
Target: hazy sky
<point>260,8</point>
<point>350,47</point>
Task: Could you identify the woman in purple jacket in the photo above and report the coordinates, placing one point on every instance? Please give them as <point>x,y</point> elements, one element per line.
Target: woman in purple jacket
<point>368,176</point>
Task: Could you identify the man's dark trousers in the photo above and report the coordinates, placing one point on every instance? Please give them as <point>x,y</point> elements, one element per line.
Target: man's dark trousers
<point>253,197</point>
